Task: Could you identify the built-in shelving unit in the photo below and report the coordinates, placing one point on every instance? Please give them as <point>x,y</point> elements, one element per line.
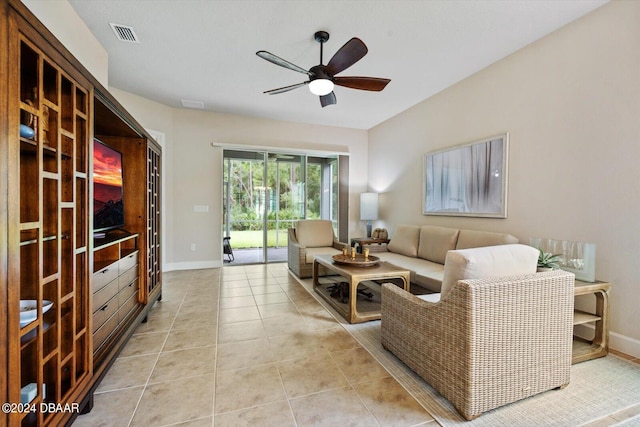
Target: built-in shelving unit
<point>153,216</point>
<point>87,295</point>
<point>51,211</point>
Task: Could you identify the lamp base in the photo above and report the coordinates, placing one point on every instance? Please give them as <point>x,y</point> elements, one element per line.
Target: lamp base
<point>368,229</point>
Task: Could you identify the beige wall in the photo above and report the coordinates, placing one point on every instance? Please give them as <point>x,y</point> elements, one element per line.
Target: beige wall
<point>198,167</point>
<point>571,103</point>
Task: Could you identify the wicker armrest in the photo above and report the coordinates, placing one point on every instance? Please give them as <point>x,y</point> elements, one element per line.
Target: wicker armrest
<point>295,253</point>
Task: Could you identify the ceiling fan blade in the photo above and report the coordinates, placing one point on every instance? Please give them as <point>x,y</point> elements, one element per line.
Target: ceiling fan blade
<point>362,83</point>
<point>350,53</point>
<point>281,62</point>
<point>328,99</point>
<point>286,88</point>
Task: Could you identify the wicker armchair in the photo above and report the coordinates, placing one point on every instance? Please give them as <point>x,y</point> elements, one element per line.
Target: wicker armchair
<point>487,342</point>
<point>311,237</point>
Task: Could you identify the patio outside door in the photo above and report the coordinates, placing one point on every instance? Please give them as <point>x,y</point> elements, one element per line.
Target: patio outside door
<point>265,193</point>
<point>244,205</point>
<point>287,200</point>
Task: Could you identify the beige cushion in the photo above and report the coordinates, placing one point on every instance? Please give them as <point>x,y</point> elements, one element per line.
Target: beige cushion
<point>475,239</point>
<point>436,241</point>
<point>430,297</point>
<point>490,261</point>
<point>314,233</point>
<point>325,250</point>
<point>405,240</point>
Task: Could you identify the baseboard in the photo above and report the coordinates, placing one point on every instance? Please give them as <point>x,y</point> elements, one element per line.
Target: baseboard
<point>196,265</point>
<point>619,342</point>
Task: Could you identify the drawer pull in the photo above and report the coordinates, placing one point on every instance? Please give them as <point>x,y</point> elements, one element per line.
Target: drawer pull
<point>104,271</point>
<point>104,307</point>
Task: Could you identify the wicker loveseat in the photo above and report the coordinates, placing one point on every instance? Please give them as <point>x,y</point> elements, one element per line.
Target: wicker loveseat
<point>310,237</point>
<point>486,342</point>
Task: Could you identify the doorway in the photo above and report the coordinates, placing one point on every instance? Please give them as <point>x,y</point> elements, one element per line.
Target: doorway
<point>266,192</point>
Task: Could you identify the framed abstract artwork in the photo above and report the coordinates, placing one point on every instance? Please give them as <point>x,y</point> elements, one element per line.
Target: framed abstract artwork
<point>467,180</point>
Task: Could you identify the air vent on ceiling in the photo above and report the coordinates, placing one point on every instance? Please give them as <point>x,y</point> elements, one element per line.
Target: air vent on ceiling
<point>198,105</point>
<point>124,33</point>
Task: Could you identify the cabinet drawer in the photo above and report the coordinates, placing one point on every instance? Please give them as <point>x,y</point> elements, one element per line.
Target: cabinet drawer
<point>105,294</point>
<point>127,277</point>
<point>103,277</point>
<point>104,331</point>
<point>104,312</point>
<point>127,262</point>
<point>126,308</point>
<point>127,291</point>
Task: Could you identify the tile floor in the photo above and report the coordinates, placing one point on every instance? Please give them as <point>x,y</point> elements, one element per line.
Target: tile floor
<point>246,346</point>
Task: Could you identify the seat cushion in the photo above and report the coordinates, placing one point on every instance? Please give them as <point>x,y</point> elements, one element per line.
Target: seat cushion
<point>325,250</point>
<point>405,240</point>
<point>430,297</point>
<point>314,233</point>
<point>489,261</point>
<point>436,241</point>
<point>425,273</point>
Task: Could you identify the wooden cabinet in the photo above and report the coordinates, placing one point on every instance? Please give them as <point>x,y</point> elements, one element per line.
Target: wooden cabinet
<point>115,288</point>
<point>86,297</point>
<point>49,128</point>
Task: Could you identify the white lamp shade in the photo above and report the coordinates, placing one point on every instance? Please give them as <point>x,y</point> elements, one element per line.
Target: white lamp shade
<point>321,87</point>
<point>368,206</point>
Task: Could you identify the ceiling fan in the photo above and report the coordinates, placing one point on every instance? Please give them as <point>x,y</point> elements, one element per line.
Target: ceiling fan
<point>322,78</point>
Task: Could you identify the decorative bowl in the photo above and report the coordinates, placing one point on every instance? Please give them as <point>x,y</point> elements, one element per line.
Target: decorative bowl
<point>358,261</point>
<point>26,132</point>
<point>29,310</point>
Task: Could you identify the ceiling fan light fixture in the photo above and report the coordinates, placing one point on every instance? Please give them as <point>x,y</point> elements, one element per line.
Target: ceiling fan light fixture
<point>321,87</point>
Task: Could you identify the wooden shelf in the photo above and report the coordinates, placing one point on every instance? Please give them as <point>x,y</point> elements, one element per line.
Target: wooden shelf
<point>581,317</point>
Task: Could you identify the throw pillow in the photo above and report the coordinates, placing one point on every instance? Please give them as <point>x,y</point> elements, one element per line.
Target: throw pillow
<point>488,261</point>
<point>436,241</point>
<point>314,233</point>
<point>405,240</point>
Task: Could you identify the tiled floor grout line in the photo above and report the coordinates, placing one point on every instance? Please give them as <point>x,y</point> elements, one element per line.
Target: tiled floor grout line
<point>293,415</point>
<point>146,385</point>
<point>215,370</point>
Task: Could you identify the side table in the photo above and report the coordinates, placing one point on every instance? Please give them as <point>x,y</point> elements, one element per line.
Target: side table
<point>359,242</point>
<point>599,346</point>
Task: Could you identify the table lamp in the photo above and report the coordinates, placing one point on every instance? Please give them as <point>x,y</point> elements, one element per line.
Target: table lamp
<point>368,209</point>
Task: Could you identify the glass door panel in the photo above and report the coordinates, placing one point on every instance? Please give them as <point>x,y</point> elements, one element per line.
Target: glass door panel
<point>286,188</point>
<point>245,201</point>
<point>322,186</point>
<point>265,193</point>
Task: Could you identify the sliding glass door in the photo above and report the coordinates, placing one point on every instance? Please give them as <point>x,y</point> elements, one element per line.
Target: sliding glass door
<point>244,204</point>
<point>266,192</point>
<point>286,183</point>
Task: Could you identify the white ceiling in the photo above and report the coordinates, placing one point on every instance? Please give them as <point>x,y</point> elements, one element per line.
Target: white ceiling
<point>204,50</point>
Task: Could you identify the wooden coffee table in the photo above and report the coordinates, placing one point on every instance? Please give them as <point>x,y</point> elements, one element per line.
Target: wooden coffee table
<point>355,276</point>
